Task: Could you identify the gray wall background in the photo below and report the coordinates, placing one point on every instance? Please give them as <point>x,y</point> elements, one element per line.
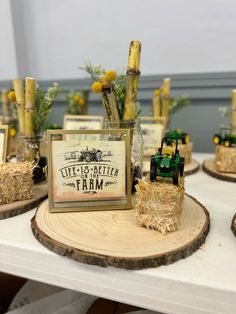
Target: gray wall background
<point>206,91</point>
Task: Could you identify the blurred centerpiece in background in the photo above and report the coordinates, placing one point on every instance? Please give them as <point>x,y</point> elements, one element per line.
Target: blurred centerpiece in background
<point>77,102</point>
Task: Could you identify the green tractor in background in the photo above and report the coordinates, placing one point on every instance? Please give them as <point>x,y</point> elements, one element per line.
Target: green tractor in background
<point>225,137</point>
<point>167,163</point>
<point>181,136</point>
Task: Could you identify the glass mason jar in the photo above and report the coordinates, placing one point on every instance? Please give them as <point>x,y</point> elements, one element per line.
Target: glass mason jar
<point>27,150</point>
<point>136,146</point>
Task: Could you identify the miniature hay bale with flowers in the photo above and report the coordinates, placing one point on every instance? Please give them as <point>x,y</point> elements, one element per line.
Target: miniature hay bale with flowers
<point>16,182</point>
<point>159,204</point>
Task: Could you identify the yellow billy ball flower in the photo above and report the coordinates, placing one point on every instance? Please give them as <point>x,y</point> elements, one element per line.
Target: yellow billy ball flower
<point>77,99</point>
<point>13,132</point>
<point>111,75</point>
<point>12,96</point>
<point>97,87</point>
<point>157,92</point>
<point>103,79</point>
<point>81,101</point>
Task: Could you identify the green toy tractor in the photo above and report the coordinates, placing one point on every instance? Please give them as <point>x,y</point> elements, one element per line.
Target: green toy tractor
<point>225,137</point>
<point>181,136</point>
<point>167,163</point>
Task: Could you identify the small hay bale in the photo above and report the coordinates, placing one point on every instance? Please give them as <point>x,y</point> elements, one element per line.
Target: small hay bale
<point>16,182</point>
<point>225,159</point>
<point>159,204</point>
<point>185,151</point>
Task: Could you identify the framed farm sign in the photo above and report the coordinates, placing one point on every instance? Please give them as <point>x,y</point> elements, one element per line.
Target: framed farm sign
<point>78,122</point>
<point>153,130</point>
<point>89,173</point>
<point>3,142</point>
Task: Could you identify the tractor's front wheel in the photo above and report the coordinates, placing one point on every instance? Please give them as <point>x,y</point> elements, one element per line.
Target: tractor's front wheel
<point>181,166</point>
<point>227,143</point>
<point>176,177</point>
<point>153,170</point>
<point>185,138</point>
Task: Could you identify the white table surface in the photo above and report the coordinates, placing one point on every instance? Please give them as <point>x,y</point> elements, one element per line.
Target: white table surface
<point>205,282</point>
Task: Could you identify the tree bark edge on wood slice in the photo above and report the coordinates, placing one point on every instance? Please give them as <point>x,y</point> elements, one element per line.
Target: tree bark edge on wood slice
<point>233,225</point>
<point>216,174</point>
<point>119,262</point>
<point>195,167</point>
<point>21,207</point>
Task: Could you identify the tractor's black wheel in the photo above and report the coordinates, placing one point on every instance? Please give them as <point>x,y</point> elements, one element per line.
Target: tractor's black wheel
<point>216,140</point>
<point>153,170</point>
<point>227,143</point>
<point>176,177</point>
<point>181,166</point>
<point>98,156</point>
<point>185,138</point>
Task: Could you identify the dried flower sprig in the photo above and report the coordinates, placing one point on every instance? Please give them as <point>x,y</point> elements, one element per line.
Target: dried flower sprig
<point>102,79</point>
<point>44,103</point>
<point>178,103</point>
<point>225,111</point>
<point>120,91</point>
<point>103,83</point>
<point>93,71</point>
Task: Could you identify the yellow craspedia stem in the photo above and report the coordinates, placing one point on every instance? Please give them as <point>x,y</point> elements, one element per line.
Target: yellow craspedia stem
<point>12,96</point>
<point>97,87</point>
<point>111,75</point>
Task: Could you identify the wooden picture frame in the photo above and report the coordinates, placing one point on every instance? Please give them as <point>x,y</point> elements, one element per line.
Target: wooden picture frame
<point>3,142</point>
<point>153,130</point>
<point>80,122</point>
<point>90,172</point>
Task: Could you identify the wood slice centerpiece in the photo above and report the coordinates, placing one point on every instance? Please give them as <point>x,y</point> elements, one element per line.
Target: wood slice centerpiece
<point>209,166</point>
<point>40,192</point>
<point>113,238</point>
<point>233,225</point>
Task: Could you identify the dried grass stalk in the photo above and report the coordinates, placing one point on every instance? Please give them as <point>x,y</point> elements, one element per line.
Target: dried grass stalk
<point>185,151</point>
<point>225,159</point>
<point>159,204</point>
<point>16,182</point>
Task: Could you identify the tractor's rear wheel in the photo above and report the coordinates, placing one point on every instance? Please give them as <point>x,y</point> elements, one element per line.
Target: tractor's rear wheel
<point>216,140</point>
<point>181,166</point>
<point>98,156</point>
<point>153,170</point>
<point>176,177</point>
<point>227,143</point>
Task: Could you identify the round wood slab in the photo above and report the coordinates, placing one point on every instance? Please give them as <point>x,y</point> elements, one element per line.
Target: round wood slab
<point>189,168</point>
<point>40,192</point>
<point>210,168</point>
<point>233,225</point>
<point>114,238</point>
